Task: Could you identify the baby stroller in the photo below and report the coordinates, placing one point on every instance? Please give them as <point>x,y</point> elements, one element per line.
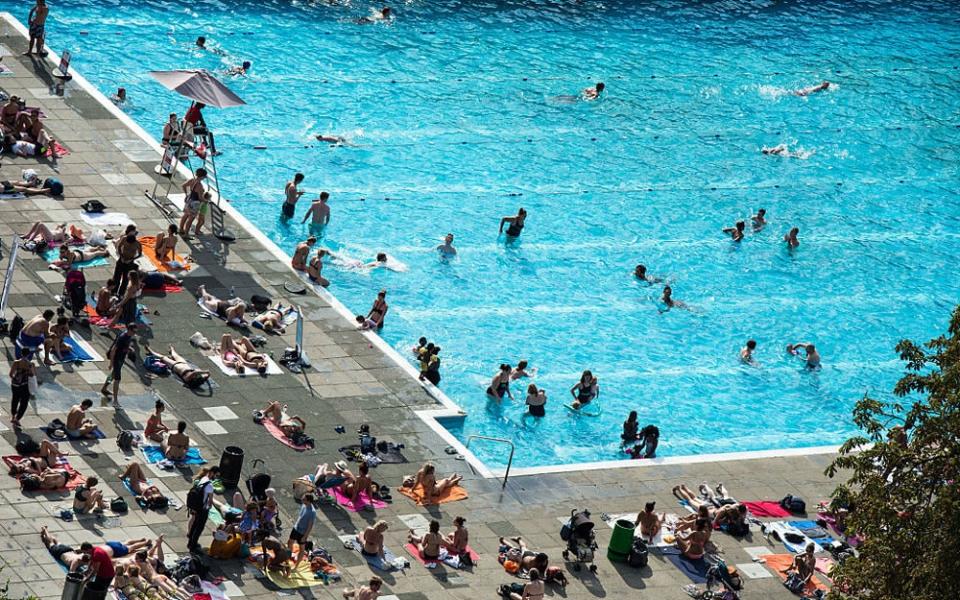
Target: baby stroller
<point>257,485</point>
<point>74,296</point>
<point>580,538</point>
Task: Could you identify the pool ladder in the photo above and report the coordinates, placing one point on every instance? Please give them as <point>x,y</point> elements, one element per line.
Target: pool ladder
<point>506,474</point>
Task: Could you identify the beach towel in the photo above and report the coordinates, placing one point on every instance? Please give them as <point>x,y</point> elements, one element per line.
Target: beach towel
<point>445,557</point>
<point>55,149</point>
<point>106,219</point>
<point>179,263</point>
<point>281,437</point>
<point>80,351</point>
<point>450,495</point>
<point>272,368</point>
<point>766,508</point>
<point>301,577</point>
<point>97,434</point>
<point>101,321</point>
<point>696,570</point>
<point>5,70</point>
<point>74,481</point>
<point>154,454</point>
<point>831,522</point>
<point>213,314</point>
<point>364,501</point>
<point>166,288</point>
<point>391,457</point>
<point>389,561</point>
<point>52,256</point>
<point>781,528</point>
<point>813,531</point>
<point>779,563</point>
<point>12,196</point>
<point>289,318</point>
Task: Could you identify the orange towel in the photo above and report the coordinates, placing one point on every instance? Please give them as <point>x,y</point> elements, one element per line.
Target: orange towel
<point>781,562</point>
<point>148,242</point>
<point>450,495</point>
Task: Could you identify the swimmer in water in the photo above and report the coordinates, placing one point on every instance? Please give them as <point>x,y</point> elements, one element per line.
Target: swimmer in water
<point>759,219</point>
<point>813,357</point>
<point>120,97</point>
<point>384,14</point>
<point>593,93</point>
<point>446,248</point>
<point>640,272</point>
<point>202,44</point>
<point>784,151</point>
<point>668,300</point>
<point>736,232</point>
<point>791,238</point>
<point>746,353</point>
<point>380,262</point>
<point>241,69</point>
<point>820,87</point>
<point>336,140</point>
<point>516,223</point>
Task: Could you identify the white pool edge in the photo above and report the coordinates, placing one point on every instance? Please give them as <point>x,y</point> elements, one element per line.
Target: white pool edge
<point>450,408</point>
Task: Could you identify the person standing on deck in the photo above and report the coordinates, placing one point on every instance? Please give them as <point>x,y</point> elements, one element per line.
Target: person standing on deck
<point>37,20</point>
<point>291,194</point>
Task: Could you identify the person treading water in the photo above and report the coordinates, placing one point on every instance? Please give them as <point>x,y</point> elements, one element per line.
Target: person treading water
<point>746,353</point>
<point>593,93</point>
<point>640,272</point>
<point>791,238</point>
<point>241,69</point>
<point>812,358</point>
<point>376,16</point>
<point>516,223</point>
<point>759,220</point>
<point>586,390</point>
<point>820,87</point>
<point>446,248</point>
<point>667,299</point>
<point>736,232</point>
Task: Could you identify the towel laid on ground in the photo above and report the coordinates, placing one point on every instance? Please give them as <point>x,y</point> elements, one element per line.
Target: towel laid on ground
<point>101,321</point>
<point>289,318</point>
<point>107,219</point>
<point>695,569</point>
<point>74,480</point>
<point>52,256</point>
<point>179,263</point>
<point>80,351</point>
<point>154,454</point>
<point>449,495</point>
<point>12,196</point>
<point>813,531</point>
<point>364,501</point>
<point>392,456</point>
<point>782,528</point>
<point>445,557</point>
<point>767,508</point>
<point>831,522</point>
<point>272,368</point>
<point>779,563</point>
<point>97,434</point>
<point>57,149</point>
<point>389,561</point>
<point>301,577</point>
<point>281,437</point>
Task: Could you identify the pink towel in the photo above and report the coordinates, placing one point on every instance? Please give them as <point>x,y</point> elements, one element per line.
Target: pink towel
<point>415,552</point>
<point>363,501</point>
<point>57,150</point>
<point>281,437</point>
<point>832,524</point>
<point>766,508</point>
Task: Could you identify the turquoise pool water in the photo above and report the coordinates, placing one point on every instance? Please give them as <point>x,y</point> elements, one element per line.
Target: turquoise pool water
<point>454,112</point>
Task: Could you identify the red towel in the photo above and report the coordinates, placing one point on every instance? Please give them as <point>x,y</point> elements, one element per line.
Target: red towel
<point>75,480</point>
<point>766,508</point>
<point>56,149</point>
<point>277,433</point>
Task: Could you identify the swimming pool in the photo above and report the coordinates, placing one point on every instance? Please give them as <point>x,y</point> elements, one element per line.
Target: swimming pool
<point>454,111</point>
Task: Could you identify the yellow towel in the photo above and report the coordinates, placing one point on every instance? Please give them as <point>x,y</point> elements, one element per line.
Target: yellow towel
<point>300,577</point>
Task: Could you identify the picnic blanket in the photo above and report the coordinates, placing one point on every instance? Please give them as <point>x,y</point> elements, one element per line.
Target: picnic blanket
<point>695,569</point>
<point>80,351</point>
<point>392,456</point>
<point>281,437</point>
<point>364,501</point>
<point>446,558</point>
<point>272,367</point>
<point>106,219</point>
<point>781,562</point>
<point>389,561</point>
<point>73,482</point>
<point>179,263</point>
<point>154,454</point>
<point>52,256</point>
<point>449,495</point>
<point>766,508</point>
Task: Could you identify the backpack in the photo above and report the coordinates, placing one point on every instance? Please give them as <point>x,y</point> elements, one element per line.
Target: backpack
<point>26,446</point>
<point>195,497</point>
<point>260,303</point>
<point>794,583</point>
<point>156,366</point>
<point>93,206</point>
<point>125,440</point>
<point>738,529</point>
<point>56,187</point>
<point>566,532</point>
<point>118,505</point>
<point>638,554</point>
<point>187,566</point>
<point>16,324</point>
<point>794,504</point>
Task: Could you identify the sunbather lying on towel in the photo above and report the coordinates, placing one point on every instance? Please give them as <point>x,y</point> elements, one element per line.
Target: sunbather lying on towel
<point>137,479</point>
<point>516,550</point>
<point>61,234</point>
<point>47,479</point>
<point>155,280</point>
<point>432,488</point>
<point>231,311</point>
<point>48,457</point>
<point>291,426</point>
<point>689,522</point>
<point>63,553</point>
<point>121,549</point>
<point>147,563</point>
<point>272,318</point>
<point>69,256</point>
<point>241,354</point>
<point>188,373</point>
<point>706,498</point>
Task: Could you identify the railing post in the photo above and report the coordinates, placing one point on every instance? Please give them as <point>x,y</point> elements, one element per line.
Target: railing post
<point>506,474</point>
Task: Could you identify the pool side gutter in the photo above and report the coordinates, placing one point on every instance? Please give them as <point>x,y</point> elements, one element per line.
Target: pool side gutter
<point>448,408</point>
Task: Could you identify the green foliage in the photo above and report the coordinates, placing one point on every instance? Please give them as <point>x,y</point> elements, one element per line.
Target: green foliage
<point>5,589</point>
<point>904,473</point>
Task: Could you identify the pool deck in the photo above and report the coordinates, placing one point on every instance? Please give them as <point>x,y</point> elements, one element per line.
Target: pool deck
<point>353,381</point>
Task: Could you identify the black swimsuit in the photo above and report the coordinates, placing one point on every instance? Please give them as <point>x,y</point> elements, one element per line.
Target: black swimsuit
<point>514,229</point>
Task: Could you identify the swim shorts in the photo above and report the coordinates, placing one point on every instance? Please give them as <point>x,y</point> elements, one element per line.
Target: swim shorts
<point>288,210</point>
<point>118,549</point>
<point>58,550</point>
<point>37,29</point>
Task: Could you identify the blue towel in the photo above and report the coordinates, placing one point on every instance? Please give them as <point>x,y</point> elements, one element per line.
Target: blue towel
<point>52,255</point>
<point>96,433</point>
<point>387,563</point>
<point>154,454</point>
<point>696,570</point>
<point>805,526</point>
<point>76,353</point>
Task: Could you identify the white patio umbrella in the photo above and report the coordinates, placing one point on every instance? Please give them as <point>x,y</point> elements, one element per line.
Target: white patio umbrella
<point>199,86</point>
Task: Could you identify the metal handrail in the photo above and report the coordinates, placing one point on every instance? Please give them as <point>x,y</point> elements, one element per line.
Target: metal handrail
<point>502,441</point>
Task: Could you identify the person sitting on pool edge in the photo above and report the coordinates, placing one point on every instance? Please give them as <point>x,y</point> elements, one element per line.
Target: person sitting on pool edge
<point>585,390</point>
<point>378,312</point>
<point>315,267</point>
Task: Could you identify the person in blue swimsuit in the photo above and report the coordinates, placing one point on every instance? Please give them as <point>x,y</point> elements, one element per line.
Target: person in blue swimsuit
<point>585,390</point>
<point>516,223</point>
<point>500,385</point>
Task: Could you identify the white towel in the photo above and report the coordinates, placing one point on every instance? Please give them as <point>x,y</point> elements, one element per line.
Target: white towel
<point>107,219</point>
<point>272,368</point>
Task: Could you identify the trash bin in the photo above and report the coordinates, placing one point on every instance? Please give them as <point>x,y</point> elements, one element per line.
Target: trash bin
<point>231,463</point>
<point>621,542</point>
<point>72,587</point>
